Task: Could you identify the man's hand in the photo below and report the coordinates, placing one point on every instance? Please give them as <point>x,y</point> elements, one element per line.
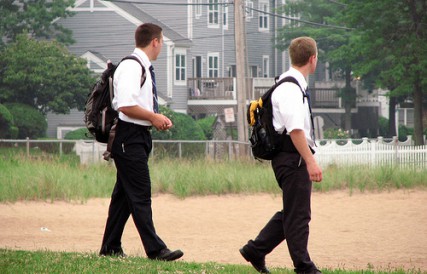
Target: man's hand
<point>300,143</point>
<point>314,171</point>
<point>161,122</point>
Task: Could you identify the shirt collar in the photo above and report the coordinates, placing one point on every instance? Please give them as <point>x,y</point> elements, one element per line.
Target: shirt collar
<point>297,75</point>
<point>143,56</point>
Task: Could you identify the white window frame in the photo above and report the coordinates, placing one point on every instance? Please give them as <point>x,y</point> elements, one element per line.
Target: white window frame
<point>249,9</point>
<point>265,66</point>
<point>263,19</point>
<point>213,13</point>
<point>182,53</point>
<point>198,9</point>
<point>213,72</point>
<point>225,16</point>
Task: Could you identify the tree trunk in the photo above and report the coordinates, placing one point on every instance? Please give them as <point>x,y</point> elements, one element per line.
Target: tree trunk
<point>418,114</point>
<point>348,100</point>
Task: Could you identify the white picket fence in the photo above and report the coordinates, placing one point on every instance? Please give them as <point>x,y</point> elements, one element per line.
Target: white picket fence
<point>371,152</point>
<point>361,152</point>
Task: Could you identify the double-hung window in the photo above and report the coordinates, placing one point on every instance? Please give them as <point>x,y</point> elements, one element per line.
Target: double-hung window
<point>213,64</point>
<point>263,16</point>
<point>213,13</point>
<point>180,66</point>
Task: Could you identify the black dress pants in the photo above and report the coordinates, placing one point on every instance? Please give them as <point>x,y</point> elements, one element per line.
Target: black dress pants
<point>290,224</point>
<point>132,191</point>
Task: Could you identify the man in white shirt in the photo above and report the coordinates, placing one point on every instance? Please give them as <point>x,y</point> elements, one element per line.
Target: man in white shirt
<point>138,112</point>
<point>295,166</point>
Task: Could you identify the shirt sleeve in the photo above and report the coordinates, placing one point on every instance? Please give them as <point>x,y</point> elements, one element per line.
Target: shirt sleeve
<point>127,78</point>
<point>288,108</point>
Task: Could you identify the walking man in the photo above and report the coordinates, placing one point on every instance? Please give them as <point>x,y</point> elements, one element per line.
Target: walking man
<point>138,113</point>
<point>294,167</point>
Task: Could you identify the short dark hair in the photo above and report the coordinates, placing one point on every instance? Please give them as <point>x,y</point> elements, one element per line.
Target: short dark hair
<point>145,33</point>
<point>301,49</point>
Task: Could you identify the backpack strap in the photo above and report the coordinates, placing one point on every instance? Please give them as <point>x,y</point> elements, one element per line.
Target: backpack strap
<point>304,95</point>
<point>292,80</point>
<point>143,75</point>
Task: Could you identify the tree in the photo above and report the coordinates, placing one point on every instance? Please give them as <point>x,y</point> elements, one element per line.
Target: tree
<point>392,42</point>
<point>43,74</point>
<point>36,18</point>
<point>29,121</point>
<point>320,19</point>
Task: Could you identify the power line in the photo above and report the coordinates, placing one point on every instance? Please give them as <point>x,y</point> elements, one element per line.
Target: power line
<point>170,4</point>
<point>300,20</point>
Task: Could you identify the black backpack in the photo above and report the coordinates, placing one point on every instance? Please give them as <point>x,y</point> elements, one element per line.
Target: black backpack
<point>266,142</point>
<point>99,115</point>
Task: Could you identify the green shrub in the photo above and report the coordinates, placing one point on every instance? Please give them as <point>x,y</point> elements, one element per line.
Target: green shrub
<point>30,122</point>
<point>383,126</point>
<point>7,128</point>
<point>78,134</point>
<point>404,132</point>
<point>184,127</point>
<point>336,133</point>
<point>206,125</point>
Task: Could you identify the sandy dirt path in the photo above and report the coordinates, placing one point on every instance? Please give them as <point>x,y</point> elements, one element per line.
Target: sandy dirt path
<point>384,230</point>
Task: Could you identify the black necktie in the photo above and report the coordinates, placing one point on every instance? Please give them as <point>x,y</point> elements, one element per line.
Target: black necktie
<point>155,103</point>
<point>307,94</point>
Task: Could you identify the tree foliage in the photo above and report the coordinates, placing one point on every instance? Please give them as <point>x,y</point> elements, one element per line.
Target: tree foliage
<point>383,41</point>
<point>43,74</point>
<point>392,43</point>
<point>38,18</point>
<point>29,121</point>
<point>320,19</point>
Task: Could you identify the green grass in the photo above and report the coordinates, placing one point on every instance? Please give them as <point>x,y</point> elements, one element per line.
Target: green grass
<point>45,177</point>
<point>65,262</point>
<point>49,178</point>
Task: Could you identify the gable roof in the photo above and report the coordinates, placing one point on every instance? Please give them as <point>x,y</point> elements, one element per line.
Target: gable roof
<point>137,11</point>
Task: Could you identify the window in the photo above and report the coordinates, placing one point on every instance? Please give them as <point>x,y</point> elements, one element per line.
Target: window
<point>263,16</point>
<point>225,16</point>
<point>198,8</point>
<point>253,71</point>
<point>265,66</point>
<point>249,10</point>
<point>213,13</point>
<point>180,66</point>
<point>213,65</point>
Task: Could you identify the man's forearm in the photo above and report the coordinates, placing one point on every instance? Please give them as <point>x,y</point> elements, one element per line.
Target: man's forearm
<point>300,143</point>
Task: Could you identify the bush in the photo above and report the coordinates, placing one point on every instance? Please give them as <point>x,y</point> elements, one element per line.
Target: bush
<point>7,128</point>
<point>206,125</point>
<point>184,127</point>
<point>404,132</point>
<point>78,134</point>
<point>383,126</point>
<point>336,133</point>
<point>30,122</point>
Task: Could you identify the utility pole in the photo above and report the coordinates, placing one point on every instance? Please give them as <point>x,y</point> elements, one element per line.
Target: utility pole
<point>240,37</point>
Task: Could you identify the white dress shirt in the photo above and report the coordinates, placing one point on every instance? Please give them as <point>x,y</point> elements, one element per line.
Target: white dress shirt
<point>127,87</point>
<point>289,111</point>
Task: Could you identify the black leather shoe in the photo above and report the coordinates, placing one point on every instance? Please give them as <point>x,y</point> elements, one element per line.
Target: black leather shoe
<point>118,252</point>
<point>258,264</point>
<point>167,255</point>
